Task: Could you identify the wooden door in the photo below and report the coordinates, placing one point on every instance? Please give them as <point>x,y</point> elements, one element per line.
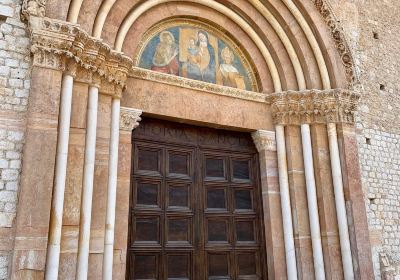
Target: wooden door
<point>195,204</point>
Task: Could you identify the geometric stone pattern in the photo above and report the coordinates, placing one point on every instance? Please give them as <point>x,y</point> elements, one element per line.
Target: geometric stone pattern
<point>380,167</point>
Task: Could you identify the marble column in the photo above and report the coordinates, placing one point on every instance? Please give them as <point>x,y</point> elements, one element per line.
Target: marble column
<point>87,188</point>
<point>129,120</point>
<point>312,203</point>
<point>291,265</point>
<point>340,202</point>
<point>53,249</point>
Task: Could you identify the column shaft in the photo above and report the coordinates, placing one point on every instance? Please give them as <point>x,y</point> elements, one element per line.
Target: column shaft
<point>312,203</point>
<point>111,192</point>
<point>340,203</point>
<point>53,249</point>
<point>285,204</point>
<point>87,189</point>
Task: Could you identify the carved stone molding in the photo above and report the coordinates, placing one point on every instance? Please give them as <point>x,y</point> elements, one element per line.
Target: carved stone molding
<point>264,140</point>
<point>314,106</point>
<point>129,118</point>
<point>146,74</point>
<point>338,36</point>
<point>56,42</point>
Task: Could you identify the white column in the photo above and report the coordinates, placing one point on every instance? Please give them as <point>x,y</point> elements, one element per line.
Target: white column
<point>87,188</point>
<point>340,203</point>
<point>53,248</point>
<point>111,192</point>
<point>285,204</point>
<point>312,203</point>
<point>130,118</point>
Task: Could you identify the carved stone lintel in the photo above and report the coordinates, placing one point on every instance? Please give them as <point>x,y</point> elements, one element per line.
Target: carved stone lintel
<point>129,119</point>
<point>145,74</point>
<point>264,140</point>
<point>314,106</point>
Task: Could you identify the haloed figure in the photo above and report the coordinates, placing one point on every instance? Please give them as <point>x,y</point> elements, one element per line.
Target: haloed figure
<point>229,73</point>
<point>165,57</point>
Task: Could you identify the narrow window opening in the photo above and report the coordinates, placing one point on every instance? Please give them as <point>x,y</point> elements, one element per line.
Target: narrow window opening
<point>382,87</point>
<point>368,140</point>
<point>376,35</point>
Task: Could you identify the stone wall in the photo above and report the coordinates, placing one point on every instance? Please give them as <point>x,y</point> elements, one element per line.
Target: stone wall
<point>372,28</point>
<point>14,90</point>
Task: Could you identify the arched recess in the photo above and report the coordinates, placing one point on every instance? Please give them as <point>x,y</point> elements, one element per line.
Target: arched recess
<point>310,54</point>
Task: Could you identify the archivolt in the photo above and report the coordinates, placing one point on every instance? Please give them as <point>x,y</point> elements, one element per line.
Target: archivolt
<point>280,30</point>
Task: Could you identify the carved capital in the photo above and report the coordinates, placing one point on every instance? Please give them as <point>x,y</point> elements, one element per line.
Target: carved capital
<point>71,67</point>
<point>264,140</point>
<point>129,118</point>
<point>55,41</point>
<point>313,106</point>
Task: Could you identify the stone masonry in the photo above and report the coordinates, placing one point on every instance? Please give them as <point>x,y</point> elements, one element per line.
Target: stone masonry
<point>372,28</point>
<point>14,90</point>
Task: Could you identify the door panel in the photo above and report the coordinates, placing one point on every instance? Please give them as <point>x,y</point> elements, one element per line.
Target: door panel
<point>195,204</point>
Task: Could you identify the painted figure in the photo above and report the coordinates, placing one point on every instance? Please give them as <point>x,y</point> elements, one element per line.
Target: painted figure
<point>165,57</point>
<point>229,74</point>
<point>191,68</point>
<point>206,57</point>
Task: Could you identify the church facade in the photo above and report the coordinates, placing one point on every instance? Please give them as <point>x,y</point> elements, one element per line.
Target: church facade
<point>199,139</point>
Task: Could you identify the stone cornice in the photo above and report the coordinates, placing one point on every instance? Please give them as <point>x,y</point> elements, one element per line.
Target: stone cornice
<point>264,140</point>
<point>313,106</point>
<point>54,43</point>
<point>145,74</point>
<point>129,118</point>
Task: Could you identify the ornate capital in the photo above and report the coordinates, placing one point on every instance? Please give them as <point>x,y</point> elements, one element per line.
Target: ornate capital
<point>129,119</point>
<point>71,67</point>
<point>264,140</point>
<point>55,41</point>
<point>313,106</point>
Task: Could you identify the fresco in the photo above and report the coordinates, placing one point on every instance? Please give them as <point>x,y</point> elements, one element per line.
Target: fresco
<point>197,54</point>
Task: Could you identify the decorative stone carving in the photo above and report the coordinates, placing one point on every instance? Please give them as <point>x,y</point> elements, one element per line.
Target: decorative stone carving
<point>264,140</point>
<point>313,106</point>
<point>71,67</point>
<point>129,118</point>
<point>54,42</point>
<point>145,74</point>
<point>338,36</point>
<point>33,7</point>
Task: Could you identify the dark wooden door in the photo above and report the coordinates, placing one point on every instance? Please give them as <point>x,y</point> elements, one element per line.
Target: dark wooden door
<point>195,204</point>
